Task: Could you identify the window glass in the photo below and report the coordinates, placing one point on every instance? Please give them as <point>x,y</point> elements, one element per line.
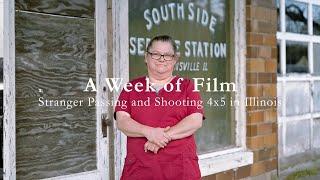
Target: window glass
<point>316,19</point>
<point>201,29</point>
<point>279,96</point>
<point>316,96</point>
<point>296,17</point>
<point>297,137</point>
<point>316,58</point>
<point>297,57</point>
<point>297,98</point>
<point>316,133</point>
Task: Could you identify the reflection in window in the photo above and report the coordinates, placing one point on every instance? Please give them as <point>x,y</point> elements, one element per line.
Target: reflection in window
<point>296,17</point>
<point>297,57</point>
<point>316,58</point>
<point>316,20</point>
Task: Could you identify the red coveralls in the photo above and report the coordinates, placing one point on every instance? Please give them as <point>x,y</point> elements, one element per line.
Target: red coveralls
<point>178,160</point>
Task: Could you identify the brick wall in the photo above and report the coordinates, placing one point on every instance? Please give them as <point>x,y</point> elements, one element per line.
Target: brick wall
<point>261,21</point>
<point>261,64</point>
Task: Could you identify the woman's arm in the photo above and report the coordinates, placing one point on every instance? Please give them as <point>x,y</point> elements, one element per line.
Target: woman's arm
<point>129,126</point>
<point>186,127</point>
<point>132,128</point>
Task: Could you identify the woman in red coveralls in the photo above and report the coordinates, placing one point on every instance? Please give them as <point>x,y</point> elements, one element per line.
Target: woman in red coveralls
<point>160,137</point>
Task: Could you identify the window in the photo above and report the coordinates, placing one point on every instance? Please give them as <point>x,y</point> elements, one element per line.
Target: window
<point>297,57</point>
<point>298,73</point>
<point>202,31</point>
<point>316,58</point>
<point>296,17</point>
<point>316,97</point>
<point>204,54</point>
<point>57,133</point>
<point>297,96</point>
<point>316,19</point>
<point>298,36</point>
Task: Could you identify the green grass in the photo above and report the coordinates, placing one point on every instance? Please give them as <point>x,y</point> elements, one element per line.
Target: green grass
<point>302,173</point>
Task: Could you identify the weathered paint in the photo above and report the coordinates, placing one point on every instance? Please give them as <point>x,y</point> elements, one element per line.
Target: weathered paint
<point>121,70</point>
<point>9,119</point>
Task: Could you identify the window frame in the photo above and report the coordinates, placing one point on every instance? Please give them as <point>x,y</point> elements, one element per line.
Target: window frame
<point>210,163</point>
<point>103,164</point>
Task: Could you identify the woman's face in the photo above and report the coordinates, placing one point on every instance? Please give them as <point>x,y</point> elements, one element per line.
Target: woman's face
<point>160,67</point>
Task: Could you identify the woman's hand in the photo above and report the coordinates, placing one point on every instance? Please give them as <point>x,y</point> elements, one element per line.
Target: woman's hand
<point>149,146</point>
<point>158,136</point>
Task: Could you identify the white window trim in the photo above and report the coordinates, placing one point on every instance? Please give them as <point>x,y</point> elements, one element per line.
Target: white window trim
<point>298,77</point>
<point>298,37</point>
<point>210,163</point>
<point>224,160</point>
<point>79,176</point>
<point>316,2</point>
<point>285,119</point>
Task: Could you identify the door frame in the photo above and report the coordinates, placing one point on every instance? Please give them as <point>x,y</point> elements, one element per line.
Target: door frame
<point>9,104</point>
<point>120,50</point>
<point>9,118</point>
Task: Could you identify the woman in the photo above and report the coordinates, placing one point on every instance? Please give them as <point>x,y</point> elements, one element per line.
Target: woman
<point>160,140</point>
